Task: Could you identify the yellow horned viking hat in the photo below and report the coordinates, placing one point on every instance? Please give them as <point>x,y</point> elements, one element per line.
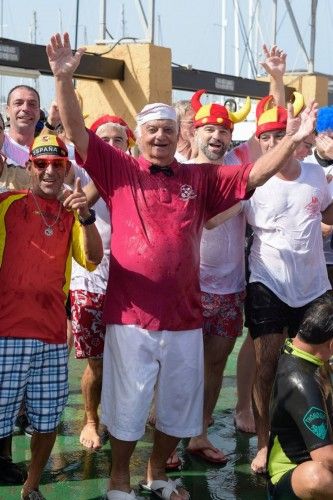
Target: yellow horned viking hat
<point>275,118</point>
<point>216,114</point>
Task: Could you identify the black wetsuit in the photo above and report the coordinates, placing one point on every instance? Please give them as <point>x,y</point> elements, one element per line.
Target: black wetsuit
<point>301,414</point>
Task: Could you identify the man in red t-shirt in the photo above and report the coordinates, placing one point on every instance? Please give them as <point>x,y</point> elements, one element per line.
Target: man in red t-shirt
<point>153,304</point>
<point>38,236</point>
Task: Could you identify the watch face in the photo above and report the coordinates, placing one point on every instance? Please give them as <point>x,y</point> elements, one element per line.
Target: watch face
<point>90,220</point>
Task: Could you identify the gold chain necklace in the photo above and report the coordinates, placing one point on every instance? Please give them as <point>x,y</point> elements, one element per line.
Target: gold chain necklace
<point>48,231</point>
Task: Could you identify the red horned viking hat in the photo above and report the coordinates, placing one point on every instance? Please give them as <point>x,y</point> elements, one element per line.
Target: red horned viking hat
<point>275,118</point>
<point>216,114</point>
<point>102,120</point>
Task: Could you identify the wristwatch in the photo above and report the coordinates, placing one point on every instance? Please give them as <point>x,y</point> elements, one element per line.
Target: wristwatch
<point>50,127</point>
<point>89,220</point>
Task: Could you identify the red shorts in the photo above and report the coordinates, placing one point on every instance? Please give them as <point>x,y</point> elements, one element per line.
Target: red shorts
<point>87,326</point>
<point>223,314</point>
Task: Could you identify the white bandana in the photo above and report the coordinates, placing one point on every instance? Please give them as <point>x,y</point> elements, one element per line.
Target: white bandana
<point>156,111</point>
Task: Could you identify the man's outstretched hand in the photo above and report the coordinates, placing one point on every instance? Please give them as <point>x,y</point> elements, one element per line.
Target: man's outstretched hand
<point>61,58</point>
<point>299,127</point>
<point>275,61</point>
<point>324,145</point>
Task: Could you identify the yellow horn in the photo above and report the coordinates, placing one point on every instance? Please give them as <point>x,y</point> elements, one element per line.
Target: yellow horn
<point>240,115</point>
<point>298,103</point>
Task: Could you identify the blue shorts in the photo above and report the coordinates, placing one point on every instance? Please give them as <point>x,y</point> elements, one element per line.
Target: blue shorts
<point>37,373</point>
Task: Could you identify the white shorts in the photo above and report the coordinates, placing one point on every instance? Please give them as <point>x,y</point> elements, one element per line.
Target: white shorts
<point>137,362</point>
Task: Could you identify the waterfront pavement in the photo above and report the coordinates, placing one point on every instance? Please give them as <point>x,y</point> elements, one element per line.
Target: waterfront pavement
<point>74,473</point>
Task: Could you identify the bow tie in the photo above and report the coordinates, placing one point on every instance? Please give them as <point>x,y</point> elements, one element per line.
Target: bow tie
<point>167,171</point>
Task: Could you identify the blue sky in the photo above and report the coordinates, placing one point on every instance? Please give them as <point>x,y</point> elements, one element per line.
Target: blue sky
<point>191,28</point>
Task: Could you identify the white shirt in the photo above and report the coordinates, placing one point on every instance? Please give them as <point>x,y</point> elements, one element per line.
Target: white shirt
<point>17,153</point>
<point>97,280</point>
<point>287,251</point>
<point>328,250</point>
<point>222,251</point>
<point>71,152</point>
<point>181,158</point>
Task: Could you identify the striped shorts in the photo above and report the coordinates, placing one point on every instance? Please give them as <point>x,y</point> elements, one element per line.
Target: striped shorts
<point>36,372</point>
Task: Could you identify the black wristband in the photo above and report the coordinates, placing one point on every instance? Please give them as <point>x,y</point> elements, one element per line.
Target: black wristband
<point>90,220</point>
<point>50,127</point>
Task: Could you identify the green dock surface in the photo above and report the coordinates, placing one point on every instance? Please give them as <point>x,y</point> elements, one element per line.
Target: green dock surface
<point>74,473</point>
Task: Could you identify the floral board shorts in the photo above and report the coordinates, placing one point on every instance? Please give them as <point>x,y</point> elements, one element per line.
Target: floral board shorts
<point>223,314</point>
<point>88,328</point>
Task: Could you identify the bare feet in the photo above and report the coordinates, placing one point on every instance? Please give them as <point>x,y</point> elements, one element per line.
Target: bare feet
<point>203,448</point>
<point>210,422</point>
<point>182,493</point>
<point>26,492</point>
<point>89,436</point>
<point>259,463</point>
<point>244,421</point>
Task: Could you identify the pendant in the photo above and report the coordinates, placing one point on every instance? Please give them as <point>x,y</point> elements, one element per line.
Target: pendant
<point>48,231</point>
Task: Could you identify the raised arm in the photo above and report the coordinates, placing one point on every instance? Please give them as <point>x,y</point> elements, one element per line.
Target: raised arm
<point>53,117</point>
<point>297,129</point>
<point>63,64</point>
<point>275,65</point>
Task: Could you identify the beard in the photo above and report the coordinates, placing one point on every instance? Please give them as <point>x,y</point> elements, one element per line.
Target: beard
<point>213,155</point>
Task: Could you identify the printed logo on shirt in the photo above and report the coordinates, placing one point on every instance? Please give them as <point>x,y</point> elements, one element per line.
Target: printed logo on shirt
<point>315,420</point>
<point>187,192</point>
<point>313,207</point>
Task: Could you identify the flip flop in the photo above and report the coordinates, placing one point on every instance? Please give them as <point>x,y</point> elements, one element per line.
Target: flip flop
<point>162,489</point>
<point>200,452</point>
<point>173,466</point>
<point>120,495</point>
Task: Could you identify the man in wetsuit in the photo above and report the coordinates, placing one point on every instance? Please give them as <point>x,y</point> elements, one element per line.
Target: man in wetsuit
<point>300,453</point>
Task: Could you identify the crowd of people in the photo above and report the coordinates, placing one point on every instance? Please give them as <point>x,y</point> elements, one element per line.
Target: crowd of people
<point>148,264</point>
